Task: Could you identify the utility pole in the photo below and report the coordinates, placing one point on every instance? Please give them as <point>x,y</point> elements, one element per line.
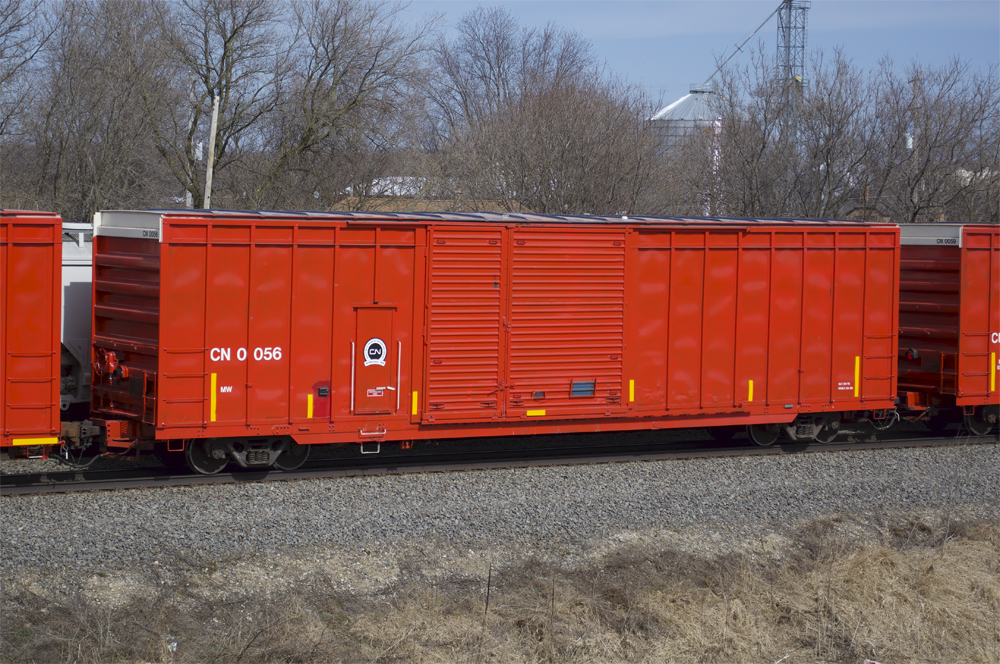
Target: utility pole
<point>913,145</point>
<point>211,154</point>
<point>192,168</point>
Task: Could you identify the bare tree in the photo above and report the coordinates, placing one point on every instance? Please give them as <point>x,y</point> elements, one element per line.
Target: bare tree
<point>529,120</point>
<point>835,127</point>
<point>493,62</point>
<point>919,147</point>
<point>25,27</point>
<point>106,103</point>
<point>232,49</point>
<point>352,76</point>
<point>569,150</point>
<point>756,142</point>
<point>937,139</point>
<point>24,31</point>
<point>84,147</point>
<point>978,199</point>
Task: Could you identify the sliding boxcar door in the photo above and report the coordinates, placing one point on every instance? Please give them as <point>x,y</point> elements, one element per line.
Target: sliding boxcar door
<point>567,327</point>
<point>464,372</point>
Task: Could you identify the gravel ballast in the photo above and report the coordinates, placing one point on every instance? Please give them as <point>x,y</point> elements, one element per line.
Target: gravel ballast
<point>362,530</point>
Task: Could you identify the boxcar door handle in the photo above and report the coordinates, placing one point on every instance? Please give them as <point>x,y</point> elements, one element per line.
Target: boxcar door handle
<point>352,377</point>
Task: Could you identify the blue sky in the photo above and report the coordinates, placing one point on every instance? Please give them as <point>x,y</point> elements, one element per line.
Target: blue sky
<point>665,46</point>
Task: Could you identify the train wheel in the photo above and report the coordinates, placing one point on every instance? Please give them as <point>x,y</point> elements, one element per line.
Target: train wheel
<point>199,458</point>
<point>764,435</point>
<point>293,457</point>
<point>827,435</point>
<point>979,424</point>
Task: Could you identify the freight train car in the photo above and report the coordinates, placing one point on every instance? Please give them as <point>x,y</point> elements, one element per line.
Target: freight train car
<point>74,393</point>
<point>949,317</point>
<point>247,337</point>
<point>30,267</point>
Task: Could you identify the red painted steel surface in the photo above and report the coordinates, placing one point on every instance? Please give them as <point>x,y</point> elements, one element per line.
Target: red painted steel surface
<point>465,324</point>
<point>800,312</point>
<point>352,327</point>
<point>950,315</point>
<point>30,306</point>
<point>567,323</point>
<point>126,322</point>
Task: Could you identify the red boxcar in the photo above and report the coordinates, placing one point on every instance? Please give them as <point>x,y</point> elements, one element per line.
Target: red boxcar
<point>249,329</point>
<point>949,318</point>
<point>30,299</point>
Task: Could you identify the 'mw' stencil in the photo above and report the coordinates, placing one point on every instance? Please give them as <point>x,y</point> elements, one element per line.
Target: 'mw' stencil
<point>225,388</point>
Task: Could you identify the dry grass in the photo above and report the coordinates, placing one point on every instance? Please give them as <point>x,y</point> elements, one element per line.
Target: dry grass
<point>919,592</point>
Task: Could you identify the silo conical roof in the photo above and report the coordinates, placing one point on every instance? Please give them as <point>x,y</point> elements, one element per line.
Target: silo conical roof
<point>699,105</point>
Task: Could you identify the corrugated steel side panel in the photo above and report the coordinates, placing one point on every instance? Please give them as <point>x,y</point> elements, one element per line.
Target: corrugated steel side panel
<point>227,303</point>
<point>30,308</point>
<point>721,280</point>
<point>184,393</point>
<point>269,312</point>
<point>767,320</point>
<point>373,298</point>
<point>259,316</point>
<point>878,373</point>
<point>466,302</point>
<point>229,355</point>
<point>567,309</point>
<point>979,320</point>
<point>314,266</point>
<point>4,262</point>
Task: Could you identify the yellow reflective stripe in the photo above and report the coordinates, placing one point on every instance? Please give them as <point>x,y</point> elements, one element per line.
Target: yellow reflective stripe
<point>415,402</point>
<point>35,441</point>
<point>536,413</point>
<point>213,397</point>
<point>309,406</point>
<point>993,372</point>
<point>750,396</point>
<point>857,375</point>
<point>631,391</point>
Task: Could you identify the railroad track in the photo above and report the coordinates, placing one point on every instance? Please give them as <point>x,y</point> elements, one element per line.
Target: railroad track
<point>392,464</point>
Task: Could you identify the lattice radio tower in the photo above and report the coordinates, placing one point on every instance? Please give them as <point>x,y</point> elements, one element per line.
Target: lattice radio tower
<point>792,43</point>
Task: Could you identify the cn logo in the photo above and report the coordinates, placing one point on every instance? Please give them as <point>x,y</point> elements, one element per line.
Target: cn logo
<point>375,352</point>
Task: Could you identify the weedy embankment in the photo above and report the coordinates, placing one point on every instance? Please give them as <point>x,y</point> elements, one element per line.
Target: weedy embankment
<point>908,591</point>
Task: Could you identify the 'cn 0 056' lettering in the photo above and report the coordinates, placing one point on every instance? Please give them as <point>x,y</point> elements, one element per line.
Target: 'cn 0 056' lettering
<point>260,354</point>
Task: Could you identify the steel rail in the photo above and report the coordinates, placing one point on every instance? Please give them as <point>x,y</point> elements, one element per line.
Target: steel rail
<point>79,481</point>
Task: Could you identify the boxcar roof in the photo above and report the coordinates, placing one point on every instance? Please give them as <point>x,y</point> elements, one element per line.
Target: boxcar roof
<point>115,222</point>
